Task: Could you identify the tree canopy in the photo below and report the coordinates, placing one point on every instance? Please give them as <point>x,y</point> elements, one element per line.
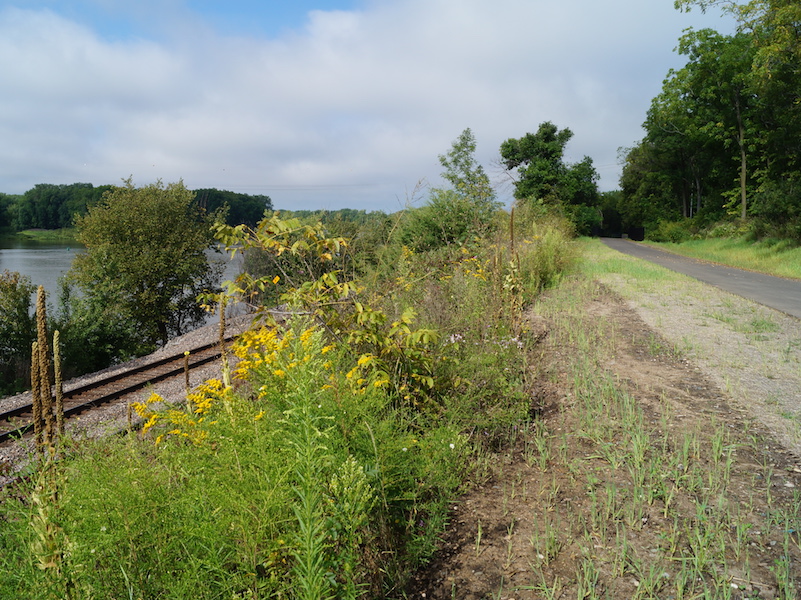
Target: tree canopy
<point>240,208</point>
<point>723,137</point>
<point>146,260</point>
<point>456,214</point>
<point>543,177</point>
<point>49,206</point>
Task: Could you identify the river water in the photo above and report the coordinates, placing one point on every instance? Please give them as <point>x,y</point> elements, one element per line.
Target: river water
<point>46,262</point>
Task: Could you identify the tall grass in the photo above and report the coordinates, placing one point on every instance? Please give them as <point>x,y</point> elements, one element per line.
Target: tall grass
<point>774,257</point>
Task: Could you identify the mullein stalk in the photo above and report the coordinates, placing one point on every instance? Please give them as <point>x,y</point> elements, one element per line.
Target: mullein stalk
<point>44,366</point>
<point>36,396</point>
<point>59,383</point>
<point>226,369</point>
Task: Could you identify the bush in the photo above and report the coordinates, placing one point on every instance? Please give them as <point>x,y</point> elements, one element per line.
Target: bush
<point>674,232</point>
<point>17,331</point>
<point>776,209</point>
<point>448,219</point>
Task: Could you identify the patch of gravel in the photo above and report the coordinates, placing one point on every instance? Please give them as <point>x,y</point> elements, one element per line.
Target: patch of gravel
<point>751,352</point>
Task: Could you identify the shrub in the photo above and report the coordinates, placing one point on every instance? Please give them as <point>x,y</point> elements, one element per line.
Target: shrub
<point>675,232</point>
<point>776,209</point>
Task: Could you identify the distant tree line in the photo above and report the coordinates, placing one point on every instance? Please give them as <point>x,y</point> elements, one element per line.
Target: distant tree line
<point>48,206</point>
<point>722,140</point>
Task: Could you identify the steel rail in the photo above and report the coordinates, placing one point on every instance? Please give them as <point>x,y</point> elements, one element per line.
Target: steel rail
<point>109,388</point>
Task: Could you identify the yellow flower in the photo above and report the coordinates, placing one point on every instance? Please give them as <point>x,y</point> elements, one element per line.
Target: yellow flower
<point>276,279</point>
<point>259,416</point>
<point>150,422</point>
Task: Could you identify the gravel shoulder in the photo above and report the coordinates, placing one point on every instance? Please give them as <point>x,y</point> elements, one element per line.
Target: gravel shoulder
<point>752,353</point>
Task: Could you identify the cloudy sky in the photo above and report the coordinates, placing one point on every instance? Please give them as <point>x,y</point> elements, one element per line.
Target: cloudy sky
<point>319,104</point>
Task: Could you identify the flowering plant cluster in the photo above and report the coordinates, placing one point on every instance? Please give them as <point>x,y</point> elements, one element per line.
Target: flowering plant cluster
<point>190,424</point>
<point>270,354</point>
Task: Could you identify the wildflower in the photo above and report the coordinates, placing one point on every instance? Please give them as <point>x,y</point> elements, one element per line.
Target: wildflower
<point>259,416</point>
<point>306,336</point>
<point>276,279</point>
<point>453,446</point>
<point>150,422</point>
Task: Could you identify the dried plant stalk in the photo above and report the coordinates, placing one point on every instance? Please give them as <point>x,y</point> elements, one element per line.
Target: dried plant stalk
<point>59,384</point>
<point>36,399</point>
<point>44,366</point>
<point>226,370</point>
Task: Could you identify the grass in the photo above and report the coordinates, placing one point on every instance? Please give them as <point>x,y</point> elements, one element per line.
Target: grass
<point>770,256</point>
<point>49,235</point>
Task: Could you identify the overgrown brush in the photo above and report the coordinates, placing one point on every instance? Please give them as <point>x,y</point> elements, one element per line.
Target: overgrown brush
<point>326,469</point>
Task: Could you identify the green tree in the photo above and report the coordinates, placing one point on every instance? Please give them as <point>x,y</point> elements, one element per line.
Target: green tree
<point>17,331</point>
<point>773,28</point>
<point>543,177</point>
<point>539,160</point>
<point>718,80</point>
<point>145,259</point>
<point>48,206</point>
<point>239,208</point>
<point>454,215</point>
<point>7,209</point>
<point>704,148</point>
<point>647,189</point>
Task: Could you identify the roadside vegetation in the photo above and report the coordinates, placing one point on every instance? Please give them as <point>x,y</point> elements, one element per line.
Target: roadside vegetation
<point>324,462</point>
<point>775,257</point>
<point>619,488</point>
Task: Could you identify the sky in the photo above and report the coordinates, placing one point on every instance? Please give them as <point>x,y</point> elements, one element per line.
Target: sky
<point>320,104</point>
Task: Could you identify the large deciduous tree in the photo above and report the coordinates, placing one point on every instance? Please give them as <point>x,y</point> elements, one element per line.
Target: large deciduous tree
<point>701,128</point>
<point>543,176</point>
<point>145,261</point>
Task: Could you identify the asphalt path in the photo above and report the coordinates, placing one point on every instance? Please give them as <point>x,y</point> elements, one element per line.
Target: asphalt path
<point>775,292</point>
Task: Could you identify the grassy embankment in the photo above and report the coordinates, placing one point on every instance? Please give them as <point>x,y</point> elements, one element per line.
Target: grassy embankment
<point>639,497</point>
<point>49,235</point>
<point>310,479</point>
<point>327,468</point>
<point>773,257</point>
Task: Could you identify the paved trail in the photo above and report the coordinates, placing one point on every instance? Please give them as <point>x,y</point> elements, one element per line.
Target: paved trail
<point>775,292</point>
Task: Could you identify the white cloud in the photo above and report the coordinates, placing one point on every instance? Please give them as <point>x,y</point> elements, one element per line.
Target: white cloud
<point>350,111</point>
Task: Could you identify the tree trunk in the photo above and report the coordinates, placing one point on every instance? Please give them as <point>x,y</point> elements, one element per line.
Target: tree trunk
<point>743,162</point>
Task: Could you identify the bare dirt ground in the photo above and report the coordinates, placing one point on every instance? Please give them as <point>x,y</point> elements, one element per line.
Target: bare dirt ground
<point>696,360</point>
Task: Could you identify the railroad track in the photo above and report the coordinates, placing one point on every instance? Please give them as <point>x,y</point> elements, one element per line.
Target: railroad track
<point>17,422</point>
